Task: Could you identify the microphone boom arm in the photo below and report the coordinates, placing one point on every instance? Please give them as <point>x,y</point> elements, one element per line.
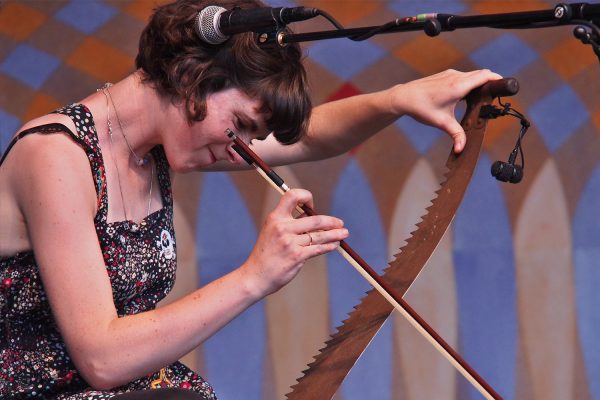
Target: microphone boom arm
<point>585,15</point>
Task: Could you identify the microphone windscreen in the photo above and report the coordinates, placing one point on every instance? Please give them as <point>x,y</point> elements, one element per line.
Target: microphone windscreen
<point>506,172</point>
<point>207,25</point>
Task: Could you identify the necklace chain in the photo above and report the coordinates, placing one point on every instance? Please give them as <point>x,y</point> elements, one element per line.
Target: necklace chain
<point>144,161</point>
<point>140,161</point>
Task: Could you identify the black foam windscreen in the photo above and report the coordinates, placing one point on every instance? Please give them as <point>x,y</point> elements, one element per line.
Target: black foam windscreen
<point>507,172</point>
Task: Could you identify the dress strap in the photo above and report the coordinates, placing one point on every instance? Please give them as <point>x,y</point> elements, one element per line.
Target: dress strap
<point>44,129</point>
<point>86,135</point>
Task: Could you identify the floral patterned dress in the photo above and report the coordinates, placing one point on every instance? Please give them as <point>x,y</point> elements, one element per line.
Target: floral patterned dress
<point>140,261</point>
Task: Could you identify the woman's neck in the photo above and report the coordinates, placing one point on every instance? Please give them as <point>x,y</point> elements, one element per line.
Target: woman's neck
<point>130,108</point>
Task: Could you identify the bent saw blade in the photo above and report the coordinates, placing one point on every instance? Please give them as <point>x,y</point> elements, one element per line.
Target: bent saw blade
<point>333,363</point>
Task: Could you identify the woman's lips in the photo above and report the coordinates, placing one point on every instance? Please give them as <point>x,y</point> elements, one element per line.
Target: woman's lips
<point>213,159</point>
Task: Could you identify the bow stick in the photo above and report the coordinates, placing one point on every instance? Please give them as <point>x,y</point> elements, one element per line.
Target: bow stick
<point>372,277</point>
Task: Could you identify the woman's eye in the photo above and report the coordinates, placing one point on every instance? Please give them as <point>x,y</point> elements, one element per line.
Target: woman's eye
<point>240,125</point>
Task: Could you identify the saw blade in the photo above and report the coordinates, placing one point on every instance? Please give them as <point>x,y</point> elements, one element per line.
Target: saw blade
<point>333,363</point>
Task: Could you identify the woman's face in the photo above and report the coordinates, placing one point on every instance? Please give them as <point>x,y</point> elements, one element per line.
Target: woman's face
<point>205,142</point>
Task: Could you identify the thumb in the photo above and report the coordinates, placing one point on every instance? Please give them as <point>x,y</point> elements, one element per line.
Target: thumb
<point>457,133</point>
<point>291,199</point>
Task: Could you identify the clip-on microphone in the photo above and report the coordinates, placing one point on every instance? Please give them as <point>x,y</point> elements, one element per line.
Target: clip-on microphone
<point>508,171</point>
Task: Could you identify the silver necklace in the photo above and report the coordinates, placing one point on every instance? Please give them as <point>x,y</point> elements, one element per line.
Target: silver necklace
<point>140,161</point>
<point>146,160</point>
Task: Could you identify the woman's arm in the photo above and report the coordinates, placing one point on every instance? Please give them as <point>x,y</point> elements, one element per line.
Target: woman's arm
<point>338,126</point>
<point>58,200</point>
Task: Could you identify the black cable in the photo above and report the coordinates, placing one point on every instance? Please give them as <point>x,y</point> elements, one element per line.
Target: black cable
<point>525,124</point>
<point>330,18</point>
<point>380,29</point>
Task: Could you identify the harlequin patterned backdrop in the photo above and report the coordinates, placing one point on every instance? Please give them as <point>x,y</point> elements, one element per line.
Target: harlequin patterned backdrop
<point>514,285</point>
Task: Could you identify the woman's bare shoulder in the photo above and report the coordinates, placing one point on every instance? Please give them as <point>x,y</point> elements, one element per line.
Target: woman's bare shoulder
<point>41,165</point>
<point>47,163</point>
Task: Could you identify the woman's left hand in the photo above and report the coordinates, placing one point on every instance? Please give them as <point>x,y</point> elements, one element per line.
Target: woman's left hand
<point>431,100</point>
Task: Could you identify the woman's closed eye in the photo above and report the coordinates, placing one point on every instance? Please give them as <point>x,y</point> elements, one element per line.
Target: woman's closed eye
<point>240,125</point>
<point>242,130</point>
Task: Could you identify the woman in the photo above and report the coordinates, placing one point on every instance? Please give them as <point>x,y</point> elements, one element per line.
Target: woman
<point>87,242</point>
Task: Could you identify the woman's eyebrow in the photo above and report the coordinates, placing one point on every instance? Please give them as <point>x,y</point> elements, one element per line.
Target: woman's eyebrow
<point>247,120</point>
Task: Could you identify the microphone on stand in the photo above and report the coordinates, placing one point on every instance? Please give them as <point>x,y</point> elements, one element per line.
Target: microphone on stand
<point>215,24</point>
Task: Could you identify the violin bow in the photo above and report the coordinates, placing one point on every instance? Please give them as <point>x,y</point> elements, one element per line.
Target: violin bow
<point>324,376</point>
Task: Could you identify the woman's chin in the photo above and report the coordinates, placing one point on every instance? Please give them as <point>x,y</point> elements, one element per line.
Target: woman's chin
<point>188,167</point>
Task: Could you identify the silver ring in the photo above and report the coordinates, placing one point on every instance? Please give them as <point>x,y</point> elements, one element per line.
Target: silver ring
<point>309,239</point>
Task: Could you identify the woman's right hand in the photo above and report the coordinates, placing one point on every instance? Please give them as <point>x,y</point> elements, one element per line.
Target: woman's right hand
<point>286,242</point>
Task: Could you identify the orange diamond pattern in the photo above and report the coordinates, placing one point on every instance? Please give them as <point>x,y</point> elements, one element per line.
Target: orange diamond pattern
<point>427,55</point>
<point>103,62</point>
<point>19,21</point>
<point>346,12</point>
<point>570,58</point>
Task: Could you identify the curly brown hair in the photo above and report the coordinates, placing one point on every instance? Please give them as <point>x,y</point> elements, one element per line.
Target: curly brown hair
<point>182,67</point>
